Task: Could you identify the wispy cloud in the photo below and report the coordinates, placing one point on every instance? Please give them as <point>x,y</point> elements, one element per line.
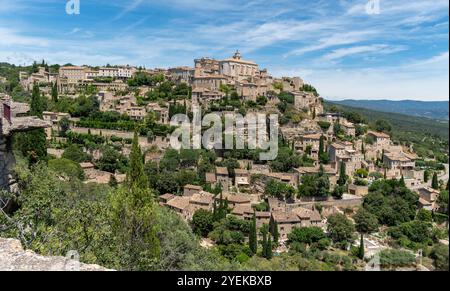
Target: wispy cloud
<point>379,49</point>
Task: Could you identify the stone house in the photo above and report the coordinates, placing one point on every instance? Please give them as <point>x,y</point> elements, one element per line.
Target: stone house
<point>222,178</point>
<point>190,190</point>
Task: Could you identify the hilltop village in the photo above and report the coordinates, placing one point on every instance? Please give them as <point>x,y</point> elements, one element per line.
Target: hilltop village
<point>332,171</point>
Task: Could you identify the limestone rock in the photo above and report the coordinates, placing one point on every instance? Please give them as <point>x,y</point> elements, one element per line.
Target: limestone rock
<point>14,258</point>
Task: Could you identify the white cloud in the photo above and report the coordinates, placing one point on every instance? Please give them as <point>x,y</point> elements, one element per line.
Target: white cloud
<point>366,50</point>
<point>11,38</point>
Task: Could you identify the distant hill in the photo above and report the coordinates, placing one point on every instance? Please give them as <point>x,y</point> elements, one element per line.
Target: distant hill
<point>400,122</point>
<point>434,109</point>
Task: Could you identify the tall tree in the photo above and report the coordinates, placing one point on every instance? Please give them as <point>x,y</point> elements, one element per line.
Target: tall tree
<point>134,216</point>
<point>435,182</point>
<point>273,227</point>
<point>252,240</point>
<point>269,251</point>
<point>426,176</point>
<point>55,92</point>
<point>342,175</point>
<point>361,250</point>
<point>264,232</point>
<point>402,181</point>
<point>136,175</point>
<point>37,105</point>
<point>321,145</point>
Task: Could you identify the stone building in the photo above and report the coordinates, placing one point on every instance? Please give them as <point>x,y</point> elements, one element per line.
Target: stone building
<point>238,69</point>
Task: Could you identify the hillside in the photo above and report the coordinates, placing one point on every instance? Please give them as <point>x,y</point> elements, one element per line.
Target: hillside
<point>429,137</point>
<point>434,110</point>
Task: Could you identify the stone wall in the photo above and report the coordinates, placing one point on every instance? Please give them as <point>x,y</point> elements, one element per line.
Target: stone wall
<point>14,258</point>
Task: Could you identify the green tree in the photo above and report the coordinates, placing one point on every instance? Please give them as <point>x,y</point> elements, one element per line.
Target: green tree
<point>75,153</point>
<point>136,176</point>
<point>341,230</point>
<point>306,235</point>
<point>342,175</point>
<point>68,168</point>
<point>264,232</point>
<point>202,222</point>
<point>54,92</point>
<point>435,182</point>
<point>361,249</point>
<point>383,126</point>
<point>133,225</point>
<point>365,222</point>
<point>273,227</point>
<point>253,240</point>
<point>134,215</point>
<point>440,256</point>
<point>426,176</point>
<point>64,126</point>
<point>33,144</point>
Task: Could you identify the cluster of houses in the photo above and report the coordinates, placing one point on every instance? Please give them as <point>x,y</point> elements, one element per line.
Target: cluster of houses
<point>242,206</point>
<point>373,153</point>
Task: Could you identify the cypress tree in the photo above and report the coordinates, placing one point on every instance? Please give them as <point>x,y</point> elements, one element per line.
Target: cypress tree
<point>269,251</point>
<point>37,105</point>
<point>321,146</point>
<point>435,182</point>
<point>136,176</point>
<point>426,176</point>
<point>273,227</point>
<point>55,93</point>
<point>252,240</point>
<point>361,248</point>
<point>342,175</point>
<point>402,181</point>
<point>264,242</point>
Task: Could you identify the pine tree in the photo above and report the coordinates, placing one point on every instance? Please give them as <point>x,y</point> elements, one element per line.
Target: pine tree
<point>252,240</point>
<point>342,175</point>
<point>435,182</point>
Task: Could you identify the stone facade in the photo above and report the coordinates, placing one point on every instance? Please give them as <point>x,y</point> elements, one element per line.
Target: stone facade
<point>8,126</point>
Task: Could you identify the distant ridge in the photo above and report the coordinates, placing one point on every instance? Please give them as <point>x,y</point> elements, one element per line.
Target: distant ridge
<point>437,110</point>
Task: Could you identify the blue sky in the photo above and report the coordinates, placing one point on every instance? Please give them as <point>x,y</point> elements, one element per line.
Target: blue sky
<point>401,53</point>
